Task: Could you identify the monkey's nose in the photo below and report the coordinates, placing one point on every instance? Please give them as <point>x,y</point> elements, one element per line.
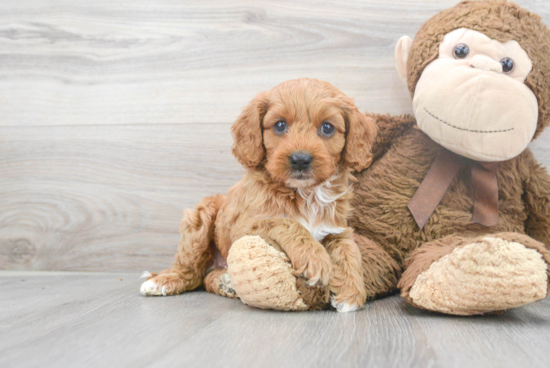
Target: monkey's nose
<point>485,63</point>
<point>300,160</point>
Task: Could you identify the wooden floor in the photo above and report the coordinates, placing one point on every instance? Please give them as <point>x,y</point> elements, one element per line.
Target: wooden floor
<point>100,320</point>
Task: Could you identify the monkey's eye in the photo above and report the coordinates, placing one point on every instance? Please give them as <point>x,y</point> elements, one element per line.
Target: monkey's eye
<point>327,129</point>
<point>507,65</point>
<point>280,127</point>
<point>461,51</point>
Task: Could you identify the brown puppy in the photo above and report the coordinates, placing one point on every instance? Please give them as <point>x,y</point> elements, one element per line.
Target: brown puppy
<point>299,143</point>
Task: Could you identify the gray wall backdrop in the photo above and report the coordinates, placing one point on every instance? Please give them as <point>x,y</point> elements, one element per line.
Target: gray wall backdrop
<point>115,115</point>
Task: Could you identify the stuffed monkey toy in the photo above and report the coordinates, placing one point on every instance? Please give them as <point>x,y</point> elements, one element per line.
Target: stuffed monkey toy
<point>455,210</point>
<point>454,196</point>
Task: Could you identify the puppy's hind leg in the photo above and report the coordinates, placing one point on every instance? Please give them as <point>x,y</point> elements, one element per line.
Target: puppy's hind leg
<point>194,253</point>
<point>218,282</point>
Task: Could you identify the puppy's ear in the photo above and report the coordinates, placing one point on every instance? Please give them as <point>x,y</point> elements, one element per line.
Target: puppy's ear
<point>247,134</point>
<point>360,134</point>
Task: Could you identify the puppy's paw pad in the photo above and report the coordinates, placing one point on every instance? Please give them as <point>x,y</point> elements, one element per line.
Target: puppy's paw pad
<point>150,287</point>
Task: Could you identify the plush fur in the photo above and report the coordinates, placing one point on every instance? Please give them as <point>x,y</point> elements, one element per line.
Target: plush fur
<point>402,155</point>
<point>486,274</point>
<point>304,213</point>
<point>385,189</point>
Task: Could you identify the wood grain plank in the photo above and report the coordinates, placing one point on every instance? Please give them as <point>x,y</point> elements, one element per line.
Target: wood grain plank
<point>90,320</point>
<point>173,63</point>
<point>137,62</point>
<point>74,319</point>
<point>115,114</point>
<point>103,198</point>
<point>97,198</point>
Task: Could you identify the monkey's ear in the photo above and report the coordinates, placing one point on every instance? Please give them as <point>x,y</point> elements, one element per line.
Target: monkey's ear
<point>247,132</point>
<point>360,134</point>
<point>402,50</point>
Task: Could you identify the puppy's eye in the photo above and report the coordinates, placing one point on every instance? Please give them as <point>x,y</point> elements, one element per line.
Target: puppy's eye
<point>507,65</point>
<point>280,127</point>
<point>461,51</point>
<point>327,129</point>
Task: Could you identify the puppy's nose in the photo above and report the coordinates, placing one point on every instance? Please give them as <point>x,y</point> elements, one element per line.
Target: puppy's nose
<point>300,160</point>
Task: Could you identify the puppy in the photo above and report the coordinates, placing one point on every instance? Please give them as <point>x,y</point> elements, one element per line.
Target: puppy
<point>299,142</point>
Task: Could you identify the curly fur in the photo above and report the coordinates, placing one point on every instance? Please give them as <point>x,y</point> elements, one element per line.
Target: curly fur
<point>305,215</point>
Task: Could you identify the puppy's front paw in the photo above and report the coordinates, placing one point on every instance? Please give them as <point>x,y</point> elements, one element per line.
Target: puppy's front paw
<point>344,307</point>
<point>313,263</point>
<point>350,304</point>
<point>349,293</point>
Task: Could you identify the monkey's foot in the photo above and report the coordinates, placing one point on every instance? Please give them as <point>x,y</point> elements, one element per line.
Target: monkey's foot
<point>263,277</point>
<point>487,275</point>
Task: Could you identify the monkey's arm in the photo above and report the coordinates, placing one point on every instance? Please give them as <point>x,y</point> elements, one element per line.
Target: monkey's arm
<point>537,199</point>
<point>389,128</point>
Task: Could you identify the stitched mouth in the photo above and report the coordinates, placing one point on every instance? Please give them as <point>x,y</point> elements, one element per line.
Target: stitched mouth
<point>468,130</point>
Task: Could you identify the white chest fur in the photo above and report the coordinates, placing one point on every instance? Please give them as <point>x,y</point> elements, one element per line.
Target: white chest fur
<point>320,231</point>
<point>319,208</point>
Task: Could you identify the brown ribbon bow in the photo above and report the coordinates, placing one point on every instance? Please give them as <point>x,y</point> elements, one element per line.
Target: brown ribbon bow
<point>439,178</point>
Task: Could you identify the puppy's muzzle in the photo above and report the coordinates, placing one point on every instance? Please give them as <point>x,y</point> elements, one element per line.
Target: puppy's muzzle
<point>300,161</point>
